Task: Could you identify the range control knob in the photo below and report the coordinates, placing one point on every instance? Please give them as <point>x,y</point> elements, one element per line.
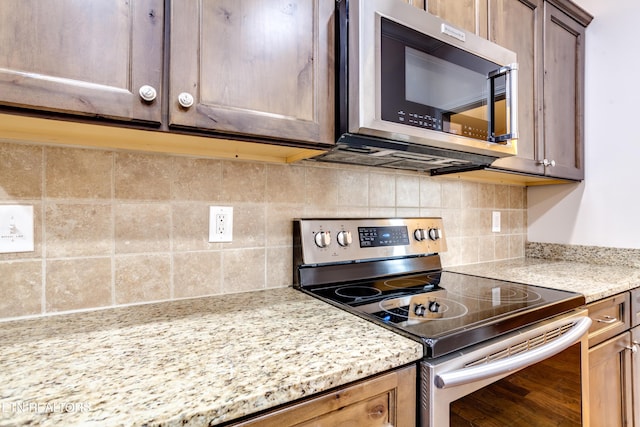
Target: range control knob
<point>435,233</point>
<point>420,234</point>
<point>344,238</point>
<point>323,239</point>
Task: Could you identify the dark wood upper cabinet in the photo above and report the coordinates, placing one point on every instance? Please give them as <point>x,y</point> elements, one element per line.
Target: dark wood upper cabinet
<point>253,67</point>
<point>82,57</point>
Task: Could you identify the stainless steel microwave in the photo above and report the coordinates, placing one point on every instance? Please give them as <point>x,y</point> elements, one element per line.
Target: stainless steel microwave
<point>416,92</point>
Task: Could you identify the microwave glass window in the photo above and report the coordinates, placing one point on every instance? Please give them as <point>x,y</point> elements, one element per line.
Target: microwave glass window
<point>444,85</point>
<point>430,84</point>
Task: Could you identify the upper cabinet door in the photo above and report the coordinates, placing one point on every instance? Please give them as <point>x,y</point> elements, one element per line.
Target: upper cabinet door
<point>518,25</point>
<point>82,57</point>
<point>563,93</point>
<point>260,68</point>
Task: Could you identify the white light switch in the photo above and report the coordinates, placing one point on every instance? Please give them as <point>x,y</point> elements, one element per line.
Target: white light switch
<point>16,228</point>
<point>495,222</point>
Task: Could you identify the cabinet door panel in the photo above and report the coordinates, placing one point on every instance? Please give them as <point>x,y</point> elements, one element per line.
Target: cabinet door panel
<point>254,67</point>
<point>82,57</point>
<point>470,15</point>
<point>610,383</point>
<point>563,94</point>
<point>517,25</point>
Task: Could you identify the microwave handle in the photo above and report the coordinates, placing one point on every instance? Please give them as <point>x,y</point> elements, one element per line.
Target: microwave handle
<point>511,75</point>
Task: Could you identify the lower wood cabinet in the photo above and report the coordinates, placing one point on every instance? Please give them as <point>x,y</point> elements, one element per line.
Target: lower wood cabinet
<point>385,400</point>
<point>610,397</point>
<point>612,374</point>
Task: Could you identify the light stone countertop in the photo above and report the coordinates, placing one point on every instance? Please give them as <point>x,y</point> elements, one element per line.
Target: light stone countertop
<point>189,362</point>
<point>592,280</point>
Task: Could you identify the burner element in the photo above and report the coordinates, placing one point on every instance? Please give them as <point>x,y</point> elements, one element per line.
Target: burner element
<point>356,292</point>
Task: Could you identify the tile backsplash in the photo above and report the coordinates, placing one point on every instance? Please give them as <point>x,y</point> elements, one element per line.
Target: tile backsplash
<point>116,227</point>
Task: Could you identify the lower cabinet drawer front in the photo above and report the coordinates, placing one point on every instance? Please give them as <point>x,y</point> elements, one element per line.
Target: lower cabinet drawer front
<point>610,317</point>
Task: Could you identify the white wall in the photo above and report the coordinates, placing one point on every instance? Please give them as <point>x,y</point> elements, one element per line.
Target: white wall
<point>604,210</point>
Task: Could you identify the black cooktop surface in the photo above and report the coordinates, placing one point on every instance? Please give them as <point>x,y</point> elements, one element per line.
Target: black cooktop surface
<point>449,311</point>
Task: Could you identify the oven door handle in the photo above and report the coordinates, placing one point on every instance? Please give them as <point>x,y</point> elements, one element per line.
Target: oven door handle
<point>514,363</point>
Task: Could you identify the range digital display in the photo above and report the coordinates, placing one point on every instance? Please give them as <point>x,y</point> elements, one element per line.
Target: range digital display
<point>372,237</point>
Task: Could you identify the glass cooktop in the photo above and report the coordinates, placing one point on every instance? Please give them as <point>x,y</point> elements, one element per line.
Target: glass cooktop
<point>448,311</point>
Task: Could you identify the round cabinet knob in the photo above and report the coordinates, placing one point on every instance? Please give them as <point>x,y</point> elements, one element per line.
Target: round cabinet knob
<point>323,239</point>
<point>147,93</point>
<point>435,233</point>
<point>344,238</point>
<point>420,234</point>
<point>547,162</point>
<point>185,99</point>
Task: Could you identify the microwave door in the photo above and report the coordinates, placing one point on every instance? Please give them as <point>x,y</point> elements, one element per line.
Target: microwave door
<point>503,104</point>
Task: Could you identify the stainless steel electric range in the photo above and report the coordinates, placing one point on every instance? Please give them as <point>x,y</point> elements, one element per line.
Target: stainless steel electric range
<point>474,330</point>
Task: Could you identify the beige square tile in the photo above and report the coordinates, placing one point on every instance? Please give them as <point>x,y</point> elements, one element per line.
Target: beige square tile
<point>517,222</point>
<point>321,187</point>
<point>452,222</point>
<point>142,278</point>
<point>451,194</point>
<point>279,223</point>
<point>502,197</point>
<point>407,212</point>
<point>37,235</point>
<point>243,182</point>
<point>469,194</point>
<point>430,193</point>
<point>382,190</point>
<point>279,267</point>
<point>248,226</point>
<point>408,191</point>
<point>502,247</point>
<point>285,184</point>
<point>353,188</point>
<point>142,176</point>
<point>517,197</point>
<point>78,230</point>
<point>21,288</point>
<point>78,283</point>
<point>453,255</point>
<point>516,245</point>
<point>20,171</point>
<point>486,196</point>
<point>487,245</point>
<point>244,270</point>
<point>485,221</point>
<point>470,250</point>
<point>191,227</point>
<point>78,173</point>
<point>470,222</point>
<point>382,212</point>
<point>142,227</point>
<point>196,179</point>
<point>197,274</point>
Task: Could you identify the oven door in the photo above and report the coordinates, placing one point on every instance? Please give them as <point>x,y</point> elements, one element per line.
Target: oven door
<point>530,377</point>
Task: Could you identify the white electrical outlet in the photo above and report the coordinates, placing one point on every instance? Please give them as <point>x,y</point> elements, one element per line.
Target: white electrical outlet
<point>220,224</point>
<point>495,222</point>
<point>16,228</point>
